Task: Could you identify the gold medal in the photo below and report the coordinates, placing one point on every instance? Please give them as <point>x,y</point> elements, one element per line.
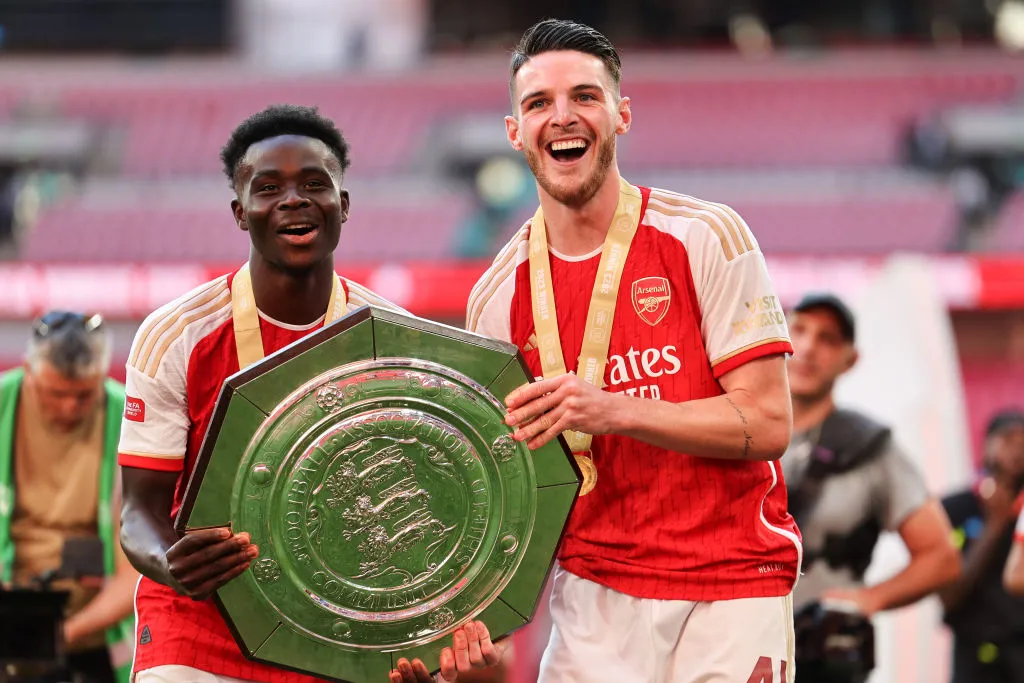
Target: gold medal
<point>589,470</point>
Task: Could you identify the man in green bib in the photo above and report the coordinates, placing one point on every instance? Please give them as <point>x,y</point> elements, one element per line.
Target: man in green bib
<point>60,420</point>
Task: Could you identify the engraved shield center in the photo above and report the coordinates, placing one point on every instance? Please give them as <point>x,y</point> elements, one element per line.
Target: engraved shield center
<point>386,498</point>
<point>388,510</point>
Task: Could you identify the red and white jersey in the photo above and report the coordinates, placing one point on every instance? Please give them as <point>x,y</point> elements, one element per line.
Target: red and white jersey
<point>695,302</point>
<point>181,356</point>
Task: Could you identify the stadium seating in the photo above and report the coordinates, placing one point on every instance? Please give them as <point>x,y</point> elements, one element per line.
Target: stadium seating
<point>757,121</point>
<point>377,231</point>
<point>777,117</point>
<point>1008,231</point>
<point>779,123</point>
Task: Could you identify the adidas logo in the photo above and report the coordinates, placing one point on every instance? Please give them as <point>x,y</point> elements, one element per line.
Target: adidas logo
<point>145,638</point>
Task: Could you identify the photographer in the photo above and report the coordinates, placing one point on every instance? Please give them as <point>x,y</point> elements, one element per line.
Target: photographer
<point>988,622</point>
<point>847,482</point>
<point>60,419</point>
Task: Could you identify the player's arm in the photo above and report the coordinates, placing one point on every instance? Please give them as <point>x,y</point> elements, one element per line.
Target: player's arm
<point>195,565</point>
<point>745,340</point>
<point>752,420</point>
<point>1013,572</point>
<point>154,435</point>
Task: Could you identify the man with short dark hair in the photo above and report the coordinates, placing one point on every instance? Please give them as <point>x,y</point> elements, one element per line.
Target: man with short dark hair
<point>986,619</point>
<point>60,417</point>
<point>848,481</point>
<point>286,166</point>
<point>652,319</point>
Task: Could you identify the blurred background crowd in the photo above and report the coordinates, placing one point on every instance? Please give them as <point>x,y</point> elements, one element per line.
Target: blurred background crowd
<point>875,148</point>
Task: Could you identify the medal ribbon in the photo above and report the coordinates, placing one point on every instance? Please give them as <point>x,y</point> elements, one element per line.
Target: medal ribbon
<point>246,319</point>
<point>598,332</point>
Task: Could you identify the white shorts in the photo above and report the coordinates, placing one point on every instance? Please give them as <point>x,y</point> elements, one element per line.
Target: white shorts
<point>599,635</point>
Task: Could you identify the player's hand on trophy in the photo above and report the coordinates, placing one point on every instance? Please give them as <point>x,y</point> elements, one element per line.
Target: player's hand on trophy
<point>204,560</point>
<point>471,649</point>
<point>542,410</point>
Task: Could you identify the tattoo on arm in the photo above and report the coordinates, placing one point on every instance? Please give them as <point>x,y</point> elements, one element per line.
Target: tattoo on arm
<point>748,440</point>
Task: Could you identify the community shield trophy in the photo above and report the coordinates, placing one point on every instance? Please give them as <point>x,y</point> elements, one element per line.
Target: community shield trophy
<point>371,464</point>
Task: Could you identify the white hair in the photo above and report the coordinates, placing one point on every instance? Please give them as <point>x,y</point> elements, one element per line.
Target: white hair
<point>76,346</point>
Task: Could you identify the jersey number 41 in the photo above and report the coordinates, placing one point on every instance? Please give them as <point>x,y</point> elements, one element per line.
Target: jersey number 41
<point>764,672</point>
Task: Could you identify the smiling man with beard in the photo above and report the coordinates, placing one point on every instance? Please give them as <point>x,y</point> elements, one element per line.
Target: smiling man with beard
<point>286,165</point>
<point>652,321</point>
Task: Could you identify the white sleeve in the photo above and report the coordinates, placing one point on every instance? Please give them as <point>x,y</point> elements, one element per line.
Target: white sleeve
<point>154,431</point>
<point>492,317</point>
<point>741,317</point>
<point>1018,531</point>
<point>489,309</point>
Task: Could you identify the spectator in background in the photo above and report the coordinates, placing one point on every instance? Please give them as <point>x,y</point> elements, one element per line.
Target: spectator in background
<point>1012,437</point>
<point>1013,573</point>
<point>60,418</point>
<point>987,622</point>
<point>847,481</point>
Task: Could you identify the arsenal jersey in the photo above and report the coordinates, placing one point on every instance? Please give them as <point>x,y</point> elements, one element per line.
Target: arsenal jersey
<point>695,301</point>
<point>181,356</point>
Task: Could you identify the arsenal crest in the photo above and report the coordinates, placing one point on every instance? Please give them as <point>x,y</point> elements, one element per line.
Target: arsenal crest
<point>651,299</point>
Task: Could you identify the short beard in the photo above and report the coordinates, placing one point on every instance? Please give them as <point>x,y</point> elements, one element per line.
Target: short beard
<point>580,195</point>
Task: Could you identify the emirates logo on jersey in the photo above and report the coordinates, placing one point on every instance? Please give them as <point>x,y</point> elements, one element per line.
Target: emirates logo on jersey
<point>651,299</point>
